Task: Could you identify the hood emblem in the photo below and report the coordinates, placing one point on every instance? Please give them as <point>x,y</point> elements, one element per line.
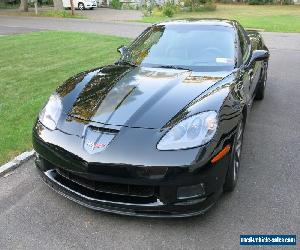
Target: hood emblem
<point>96,140</point>
<point>94,145</point>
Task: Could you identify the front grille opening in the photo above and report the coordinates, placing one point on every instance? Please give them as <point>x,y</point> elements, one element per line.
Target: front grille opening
<point>111,191</point>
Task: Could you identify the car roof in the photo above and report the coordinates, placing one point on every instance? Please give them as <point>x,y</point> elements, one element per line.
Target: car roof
<point>202,21</point>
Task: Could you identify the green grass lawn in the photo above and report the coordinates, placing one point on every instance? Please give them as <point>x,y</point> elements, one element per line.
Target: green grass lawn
<point>32,65</point>
<point>268,17</point>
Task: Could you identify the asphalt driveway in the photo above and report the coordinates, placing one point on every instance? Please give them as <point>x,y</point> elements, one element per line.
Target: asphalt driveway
<point>266,200</point>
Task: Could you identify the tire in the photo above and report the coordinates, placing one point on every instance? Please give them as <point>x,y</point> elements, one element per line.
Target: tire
<point>81,6</point>
<point>260,91</point>
<point>234,165</point>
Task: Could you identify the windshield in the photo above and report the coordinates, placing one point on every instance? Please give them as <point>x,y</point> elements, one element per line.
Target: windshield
<point>194,47</point>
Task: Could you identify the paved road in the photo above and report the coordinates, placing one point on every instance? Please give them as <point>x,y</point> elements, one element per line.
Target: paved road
<point>106,14</point>
<point>9,30</point>
<point>266,200</point>
<point>10,25</point>
<point>68,24</point>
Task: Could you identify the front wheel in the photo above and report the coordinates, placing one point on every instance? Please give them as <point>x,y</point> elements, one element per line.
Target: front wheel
<point>234,165</point>
<point>81,6</point>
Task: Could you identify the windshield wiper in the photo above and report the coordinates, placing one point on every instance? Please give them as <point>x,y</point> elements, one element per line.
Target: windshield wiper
<point>124,62</point>
<point>173,67</point>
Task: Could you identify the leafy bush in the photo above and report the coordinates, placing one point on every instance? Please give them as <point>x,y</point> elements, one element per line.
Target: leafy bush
<point>206,7</point>
<point>157,11</point>
<point>210,6</point>
<point>130,6</point>
<point>169,9</point>
<point>226,1</point>
<point>200,5</point>
<point>149,9</point>
<point>8,5</point>
<point>255,2</point>
<point>168,12</point>
<point>288,2</point>
<point>116,4</point>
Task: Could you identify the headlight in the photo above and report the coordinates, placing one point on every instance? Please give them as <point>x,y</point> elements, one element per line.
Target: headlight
<point>191,132</point>
<point>51,112</point>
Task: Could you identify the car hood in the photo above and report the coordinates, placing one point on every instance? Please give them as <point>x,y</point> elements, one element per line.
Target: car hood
<point>133,96</point>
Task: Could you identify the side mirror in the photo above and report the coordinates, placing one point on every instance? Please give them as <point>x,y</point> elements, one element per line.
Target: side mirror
<point>259,55</point>
<point>122,49</point>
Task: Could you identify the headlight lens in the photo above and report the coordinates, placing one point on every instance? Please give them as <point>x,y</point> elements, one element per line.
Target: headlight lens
<point>191,132</point>
<point>51,112</point>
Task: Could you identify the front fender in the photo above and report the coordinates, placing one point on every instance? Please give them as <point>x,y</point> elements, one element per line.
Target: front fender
<point>228,99</point>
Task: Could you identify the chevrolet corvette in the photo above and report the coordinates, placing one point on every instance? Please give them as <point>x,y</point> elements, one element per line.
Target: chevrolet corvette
<point>159,132</point>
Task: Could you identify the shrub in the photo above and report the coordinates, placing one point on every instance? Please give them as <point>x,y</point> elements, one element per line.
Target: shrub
<point>150,9</point>
<point>145,11</point>
<point>130,6</point>
<point>169,12</point>
<point>168,9</point>
<point>226,1</point>
<point>205,7</point>
<point>209,6</point>
<point>200,5</point>
<point>116,4</point>
<point>288,2</point>
<point>255,2</point>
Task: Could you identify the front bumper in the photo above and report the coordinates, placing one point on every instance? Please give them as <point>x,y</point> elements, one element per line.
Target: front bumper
<point>79,178</point>
<point>156,208</point>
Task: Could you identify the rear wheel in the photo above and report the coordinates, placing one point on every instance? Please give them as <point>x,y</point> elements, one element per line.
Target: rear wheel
<point>234,165</point>
<point>81,6</point>
<point>260,92</point>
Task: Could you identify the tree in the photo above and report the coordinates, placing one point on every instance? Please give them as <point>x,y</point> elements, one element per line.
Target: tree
<point>72,7</point>
<point>23,6</point>
<point>58,5</point>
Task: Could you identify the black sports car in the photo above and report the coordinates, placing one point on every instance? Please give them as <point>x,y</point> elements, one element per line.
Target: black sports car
<point>158,133</point>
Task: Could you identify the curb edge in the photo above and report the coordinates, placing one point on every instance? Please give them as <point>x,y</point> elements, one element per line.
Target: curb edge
<point>16,162</point>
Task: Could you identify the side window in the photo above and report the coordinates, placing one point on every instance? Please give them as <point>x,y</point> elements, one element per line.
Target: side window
<point>244,43</point>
